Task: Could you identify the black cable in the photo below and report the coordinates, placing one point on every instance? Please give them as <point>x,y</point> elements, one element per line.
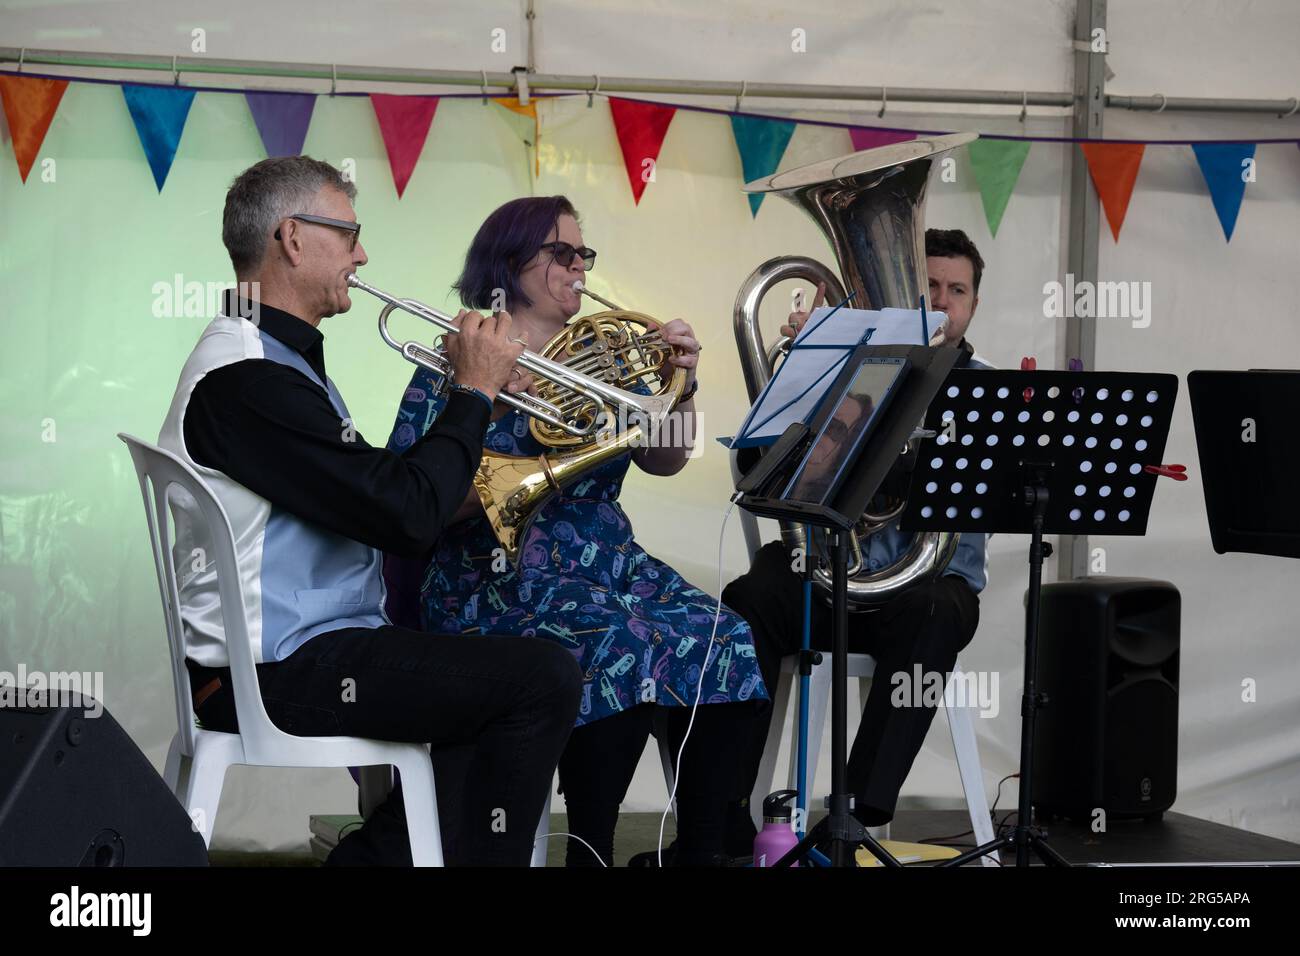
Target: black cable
<point>992,816</point>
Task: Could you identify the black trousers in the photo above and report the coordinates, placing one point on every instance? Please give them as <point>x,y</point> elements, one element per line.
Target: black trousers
<point>926,625</point>
<point>496,710</point>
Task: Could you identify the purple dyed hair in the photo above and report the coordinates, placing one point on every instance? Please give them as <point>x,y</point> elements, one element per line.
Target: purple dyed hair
<point>504,244</point>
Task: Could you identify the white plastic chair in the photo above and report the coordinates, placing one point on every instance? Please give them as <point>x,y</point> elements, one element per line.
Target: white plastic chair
<point>861,666</point>
<point>198,759</point>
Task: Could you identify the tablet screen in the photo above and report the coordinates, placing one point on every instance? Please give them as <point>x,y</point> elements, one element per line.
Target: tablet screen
<point>822,469</point>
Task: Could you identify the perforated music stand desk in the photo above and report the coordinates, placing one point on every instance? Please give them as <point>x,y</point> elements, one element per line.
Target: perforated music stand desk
<point>1091,451</point>
<point>1036,453</point>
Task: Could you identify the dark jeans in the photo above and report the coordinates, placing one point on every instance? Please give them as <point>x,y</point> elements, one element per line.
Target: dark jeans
<point>496,710</point>
<point>926,625</point>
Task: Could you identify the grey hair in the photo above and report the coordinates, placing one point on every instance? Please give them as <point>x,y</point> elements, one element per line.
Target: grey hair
<point>266,193</point>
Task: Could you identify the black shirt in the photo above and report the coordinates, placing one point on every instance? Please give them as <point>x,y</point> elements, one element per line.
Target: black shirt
<point>272,429</point>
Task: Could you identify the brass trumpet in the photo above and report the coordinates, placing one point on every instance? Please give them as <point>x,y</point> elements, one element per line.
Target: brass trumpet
<point>584,375</point>
<point>583,391</point>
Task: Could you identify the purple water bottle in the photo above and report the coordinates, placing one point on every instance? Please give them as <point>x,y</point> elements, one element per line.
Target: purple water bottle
<point>777,838</point>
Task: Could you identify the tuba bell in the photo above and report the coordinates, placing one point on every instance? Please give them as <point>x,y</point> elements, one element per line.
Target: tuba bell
<point>871,207</point>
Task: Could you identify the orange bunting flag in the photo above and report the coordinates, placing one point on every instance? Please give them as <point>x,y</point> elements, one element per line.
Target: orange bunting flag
<point>1114,169</point>
<point>29,104</point>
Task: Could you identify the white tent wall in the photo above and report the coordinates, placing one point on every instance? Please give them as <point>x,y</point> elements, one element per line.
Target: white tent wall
<point>1214,304</point>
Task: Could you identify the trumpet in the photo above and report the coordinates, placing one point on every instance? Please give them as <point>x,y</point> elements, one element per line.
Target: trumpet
<point>585,377</point>
<point>583,398</point>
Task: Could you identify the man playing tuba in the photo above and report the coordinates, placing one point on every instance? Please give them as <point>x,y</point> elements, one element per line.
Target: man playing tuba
<point>926,626</point>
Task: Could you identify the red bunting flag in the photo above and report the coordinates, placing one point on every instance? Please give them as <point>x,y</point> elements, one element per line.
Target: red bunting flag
<point>641,128</point>
<point>29,104</point>
<point>1114,169</point>
<point>404,123</point>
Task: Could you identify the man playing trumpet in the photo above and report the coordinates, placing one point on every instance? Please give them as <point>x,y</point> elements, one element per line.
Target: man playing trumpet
<point>311,505</point>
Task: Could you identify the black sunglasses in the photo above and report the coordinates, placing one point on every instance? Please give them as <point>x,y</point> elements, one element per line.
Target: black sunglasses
<point>563,253</point>
<point>352,227</point>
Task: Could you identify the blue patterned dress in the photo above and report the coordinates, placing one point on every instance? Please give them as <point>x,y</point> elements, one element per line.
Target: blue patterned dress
<point>638,629</point>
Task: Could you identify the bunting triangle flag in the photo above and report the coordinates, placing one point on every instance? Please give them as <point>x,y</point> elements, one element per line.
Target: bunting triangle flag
<point>29,104</point>
<point>996,164</point>
<point>1224,166</point>
<point>523,120</point>
<point>1114,170</point>
<point>641,128</point>
<point>282,120</point>
<point>404,123</point>
<point>864,137</point>
<point>159,114</point>
<point>762,143</point>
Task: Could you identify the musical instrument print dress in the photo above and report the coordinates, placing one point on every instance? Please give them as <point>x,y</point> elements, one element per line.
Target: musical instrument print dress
<point>636,627</point>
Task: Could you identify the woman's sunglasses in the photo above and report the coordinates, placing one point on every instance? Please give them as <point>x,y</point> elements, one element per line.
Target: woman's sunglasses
<point>563,253</point>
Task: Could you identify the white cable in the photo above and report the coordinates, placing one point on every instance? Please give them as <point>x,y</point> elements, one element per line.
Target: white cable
<point>580,840</point>
<point>699,690</point>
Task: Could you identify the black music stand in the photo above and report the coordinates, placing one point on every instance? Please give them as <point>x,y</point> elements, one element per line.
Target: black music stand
<point>1245,437</point>
<point>761,493</point>
<point>1039,453</point>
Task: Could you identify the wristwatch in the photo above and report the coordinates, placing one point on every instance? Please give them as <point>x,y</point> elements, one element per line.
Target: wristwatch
<point>688,395</point>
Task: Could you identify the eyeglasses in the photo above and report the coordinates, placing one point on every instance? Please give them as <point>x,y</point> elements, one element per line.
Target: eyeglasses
<point>351,227</point>
<point>563,253</point>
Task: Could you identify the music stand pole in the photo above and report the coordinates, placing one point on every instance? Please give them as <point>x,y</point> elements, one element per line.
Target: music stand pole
<point>843,829</point>
<point>840,809</point>
<point>1025,836</point>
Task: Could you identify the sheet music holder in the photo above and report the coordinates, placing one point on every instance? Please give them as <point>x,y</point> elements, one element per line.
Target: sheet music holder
<point>817,356</point>
<point>1249,484</point>
<point>764,489</point>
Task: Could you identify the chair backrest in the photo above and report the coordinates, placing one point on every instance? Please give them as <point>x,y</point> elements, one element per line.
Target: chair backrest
<point>163,477</point>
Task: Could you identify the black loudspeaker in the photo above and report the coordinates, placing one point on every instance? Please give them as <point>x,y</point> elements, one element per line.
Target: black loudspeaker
<point>76,791</point>
<point>1108,663</point>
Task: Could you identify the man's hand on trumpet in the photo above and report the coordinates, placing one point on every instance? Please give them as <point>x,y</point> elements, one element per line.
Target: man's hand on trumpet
<point>484,354</point>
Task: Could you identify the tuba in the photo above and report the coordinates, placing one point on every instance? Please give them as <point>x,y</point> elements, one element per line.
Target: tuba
<point>871,207</point>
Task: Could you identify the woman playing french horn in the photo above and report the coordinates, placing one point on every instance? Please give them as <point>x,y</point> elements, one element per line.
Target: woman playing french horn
<point>639,631</point>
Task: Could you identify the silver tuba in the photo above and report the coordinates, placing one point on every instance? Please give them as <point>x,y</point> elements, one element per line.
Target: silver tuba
<point>871,207</point>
